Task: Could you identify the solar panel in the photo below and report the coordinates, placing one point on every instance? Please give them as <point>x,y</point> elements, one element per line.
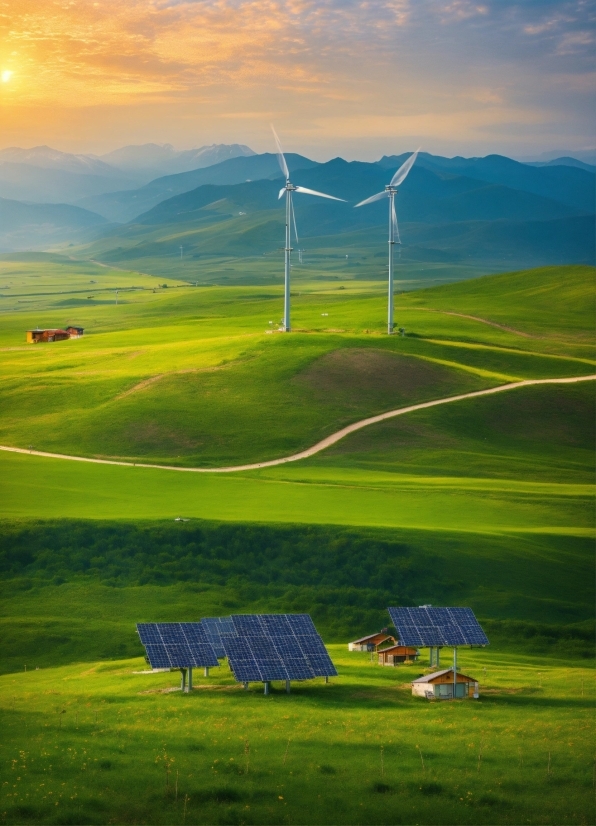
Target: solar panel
<point>216,628</point>
<point>276,647</point>
<point>176,644</point>
<point>428,626</point>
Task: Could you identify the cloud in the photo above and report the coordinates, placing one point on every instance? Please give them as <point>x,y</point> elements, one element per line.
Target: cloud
<point>325,64</point>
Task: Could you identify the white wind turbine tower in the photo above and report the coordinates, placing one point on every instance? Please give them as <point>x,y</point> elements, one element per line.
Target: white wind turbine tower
<point>291,219</point>
<point>390,192</point>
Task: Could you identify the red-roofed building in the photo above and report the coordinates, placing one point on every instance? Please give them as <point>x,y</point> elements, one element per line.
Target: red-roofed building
<point>370,643</point>
<point>38,335</point>
<point>396,654</point>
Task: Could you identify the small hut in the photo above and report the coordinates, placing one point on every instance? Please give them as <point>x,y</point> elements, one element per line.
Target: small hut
<point>441,685</point>
<point>371,643</point>
<point>396,654</point>
<point>37,336</point>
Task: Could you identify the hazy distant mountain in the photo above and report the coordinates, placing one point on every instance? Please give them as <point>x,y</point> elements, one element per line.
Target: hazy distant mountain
<point>24,182</point>
<point>38,226</point>
<point>487,210</point>
<point>126,205</point>
<point>164,159</point>
<point>47,175</point>
<point>586,155</point>
<point>564,162</point>
<point>48,158</point>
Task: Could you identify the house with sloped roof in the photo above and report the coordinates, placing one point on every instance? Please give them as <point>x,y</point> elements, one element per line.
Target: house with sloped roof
<point>371,642</point>
<point>441,685</point>
<point>396,654</point>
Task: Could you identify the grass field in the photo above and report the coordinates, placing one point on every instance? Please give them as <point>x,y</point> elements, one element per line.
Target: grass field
<point>94,743</point>
<point>190,375</point>
<point>486,502</point>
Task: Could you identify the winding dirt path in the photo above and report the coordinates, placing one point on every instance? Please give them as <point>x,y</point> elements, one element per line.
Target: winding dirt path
<point>319,446</point>
<point>474,318</point>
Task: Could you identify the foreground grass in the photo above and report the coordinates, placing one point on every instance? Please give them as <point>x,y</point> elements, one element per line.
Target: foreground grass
<point>94,743</point>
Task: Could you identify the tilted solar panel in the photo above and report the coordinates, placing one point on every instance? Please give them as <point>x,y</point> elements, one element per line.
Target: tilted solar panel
<point>292,655</point>
<point>302,624</point>
<point>268,660</point>
<point>216,628</point>
<point>176,645</point>
<point>278,647</point>
<point>242,662</point>
<point>247,624</point>
<point>428,626</point>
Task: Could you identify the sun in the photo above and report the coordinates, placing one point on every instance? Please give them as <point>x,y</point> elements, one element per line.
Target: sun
<point>6,75</point>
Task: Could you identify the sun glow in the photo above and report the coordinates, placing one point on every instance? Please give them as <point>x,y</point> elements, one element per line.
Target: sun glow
<point>6,75</point>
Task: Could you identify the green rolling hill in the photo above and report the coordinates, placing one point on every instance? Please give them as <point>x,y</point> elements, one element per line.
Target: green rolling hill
<point>195,376</point>
<point>485,502</point>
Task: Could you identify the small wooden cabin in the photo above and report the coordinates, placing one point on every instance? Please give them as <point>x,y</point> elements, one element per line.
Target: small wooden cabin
<point>440,685</point>
<point>396,654</point>
<point>38,335</point>
<point>371,643</point>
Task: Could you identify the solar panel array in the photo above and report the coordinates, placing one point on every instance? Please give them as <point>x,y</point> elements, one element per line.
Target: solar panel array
<point>429,626</point>
<point>267,647</point>
<point>176,644</point>
<point>215,628</point>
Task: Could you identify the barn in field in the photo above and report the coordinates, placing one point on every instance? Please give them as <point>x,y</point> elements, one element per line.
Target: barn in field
<point>39,336</point>
<point>440,685</point>
<point>396,654</point>
<point>372,642</point>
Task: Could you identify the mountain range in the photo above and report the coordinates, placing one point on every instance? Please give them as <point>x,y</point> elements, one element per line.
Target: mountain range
<point>46,175</point>
<point>490,209</point>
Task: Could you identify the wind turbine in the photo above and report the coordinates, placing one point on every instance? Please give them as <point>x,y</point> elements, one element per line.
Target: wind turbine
<point>390,192</point>
<point>288,189</point>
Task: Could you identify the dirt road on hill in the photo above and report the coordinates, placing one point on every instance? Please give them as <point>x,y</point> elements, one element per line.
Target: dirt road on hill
<point>319,446</point>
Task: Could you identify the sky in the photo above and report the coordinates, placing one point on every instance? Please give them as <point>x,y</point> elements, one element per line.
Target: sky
<point>357,78</point>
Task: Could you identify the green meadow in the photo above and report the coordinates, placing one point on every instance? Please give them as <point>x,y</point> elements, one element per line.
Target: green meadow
<point>96,743</point>
<point>486,502</point>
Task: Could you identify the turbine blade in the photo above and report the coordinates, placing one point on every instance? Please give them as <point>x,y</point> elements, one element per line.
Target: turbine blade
<point>402,173</point>
<point>281,192</point>
<point>314,192</point>
<point>397,239</point>
<point>294,221</point>
<point>372,198</point>
<point>280,155</point>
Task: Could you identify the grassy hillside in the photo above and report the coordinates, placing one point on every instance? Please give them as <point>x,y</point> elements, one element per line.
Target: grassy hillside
<point>74,588</point>
<point>518,466</point>
<point>95,743</point>
<point>191,375</point>
<point>487,502</point>
<point>551,302</point>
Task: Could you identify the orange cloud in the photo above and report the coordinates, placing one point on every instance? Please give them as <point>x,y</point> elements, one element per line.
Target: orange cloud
<point>84,53</point>
<point>201,70</point>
